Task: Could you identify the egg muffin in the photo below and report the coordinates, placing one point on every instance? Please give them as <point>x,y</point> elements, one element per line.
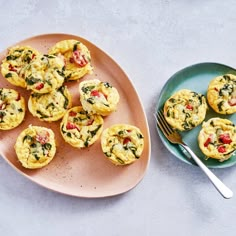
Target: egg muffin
<point>122,143</point>
<point>185,109</point>
<point>98,97</point>
<point>77,58</point>
<point>14,65</point>
<point>217,138</point>
<point>45,74</point>
<point>221,94</point>
<point>80,129</point>
<point>12,109</point>
<point>35,147</point>
<point>50,106</point>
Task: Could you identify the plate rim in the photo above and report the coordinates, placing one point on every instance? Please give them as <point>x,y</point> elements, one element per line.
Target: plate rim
<point>147,137</point>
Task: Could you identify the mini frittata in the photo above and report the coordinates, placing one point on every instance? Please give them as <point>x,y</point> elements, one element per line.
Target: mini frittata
<point>80,129</point>
<point>45,74</point>
<point>35,147</point>
<point>50,106</point>
<point>122,143</point>
<point>77,58</point>
<point>14,65</point>
<point>12,109</point>
<point>185,109</point>
<point>217,138</point>
<point>98,97</point>
<point>221,94</point>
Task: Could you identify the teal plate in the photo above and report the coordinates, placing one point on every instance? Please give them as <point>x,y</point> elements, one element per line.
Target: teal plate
<point>196,78</point>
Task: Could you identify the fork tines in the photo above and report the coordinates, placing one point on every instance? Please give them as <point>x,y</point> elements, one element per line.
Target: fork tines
<point>162,123</point>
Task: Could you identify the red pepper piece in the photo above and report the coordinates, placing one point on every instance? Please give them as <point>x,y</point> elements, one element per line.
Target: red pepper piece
<point>39,86</point>
<point>105,96</point>
<point>221,149</point>
<point>90,122</point>
<point>71,60</point>
<point>189,107</point>
<point>12,68</point>
<point>79,58</point>
<point>71,126</point>
<point>126,140</point>
<point>42,137</point>
<point>225,138</point>
<point>207,141</point>
<point>95,93</point>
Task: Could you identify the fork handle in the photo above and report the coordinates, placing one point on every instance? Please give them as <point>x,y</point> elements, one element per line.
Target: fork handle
<point>223,190</point>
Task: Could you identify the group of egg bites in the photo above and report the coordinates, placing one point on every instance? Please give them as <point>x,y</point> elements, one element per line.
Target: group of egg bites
<point>50,100</point>
<point>187,109</point>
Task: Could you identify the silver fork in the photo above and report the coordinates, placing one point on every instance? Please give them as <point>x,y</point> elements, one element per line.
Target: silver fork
<point>175,138</point>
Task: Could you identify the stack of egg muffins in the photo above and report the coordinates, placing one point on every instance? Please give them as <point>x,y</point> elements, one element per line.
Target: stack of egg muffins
<point>50,100</point>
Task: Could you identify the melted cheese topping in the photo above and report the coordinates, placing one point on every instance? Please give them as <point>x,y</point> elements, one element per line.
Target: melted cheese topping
<point>35,147</point>
<point>77,58</point>
<point>12,109</point>
<point>217,138</point>
<point>80,129</point>
<point>50,106</point>
<point>98,97</point>
<point>221,94</point>
<point>14,65</point>
<point>45,74</point>
<point>122,144</point>
<point>185,109</point>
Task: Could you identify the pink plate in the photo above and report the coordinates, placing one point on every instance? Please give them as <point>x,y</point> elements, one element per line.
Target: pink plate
<point>86,172</point>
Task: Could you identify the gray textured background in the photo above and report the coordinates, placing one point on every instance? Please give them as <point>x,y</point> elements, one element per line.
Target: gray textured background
<point>151,40</point>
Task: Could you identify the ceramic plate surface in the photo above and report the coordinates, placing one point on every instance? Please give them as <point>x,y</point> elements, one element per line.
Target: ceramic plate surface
<point>195,78</point>
<point>86,172</point>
